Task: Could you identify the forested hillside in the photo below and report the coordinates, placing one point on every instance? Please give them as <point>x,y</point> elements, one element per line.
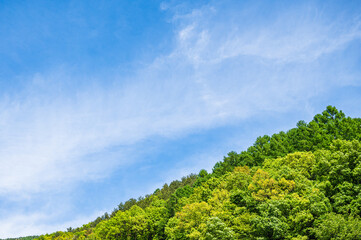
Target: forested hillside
<point>301,184</point>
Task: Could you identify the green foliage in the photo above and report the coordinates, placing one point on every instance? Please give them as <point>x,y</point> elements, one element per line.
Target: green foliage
<point>335,226</point>
<point>318,134</point>
<point>300,184</point>
<point>217,230</point>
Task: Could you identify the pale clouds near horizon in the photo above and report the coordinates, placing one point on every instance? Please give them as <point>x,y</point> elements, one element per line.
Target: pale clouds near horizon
<point>215,74</point>
<point>38,223</point>
<point>218,72</point>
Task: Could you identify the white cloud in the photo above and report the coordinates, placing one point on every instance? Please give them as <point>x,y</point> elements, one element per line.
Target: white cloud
<point>39,223</point>
<point>216,72</point>
<point>299,34</point>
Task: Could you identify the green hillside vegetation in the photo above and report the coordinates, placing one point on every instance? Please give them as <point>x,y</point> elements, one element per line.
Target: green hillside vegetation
<point>301,184</point>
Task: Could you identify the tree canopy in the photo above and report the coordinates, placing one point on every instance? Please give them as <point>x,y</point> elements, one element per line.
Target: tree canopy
<point>299,184</point>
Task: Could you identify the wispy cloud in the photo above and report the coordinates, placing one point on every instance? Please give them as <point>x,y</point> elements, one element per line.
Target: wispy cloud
<point>39,223</point>
<point>298,33</point>
<point>218,70</point>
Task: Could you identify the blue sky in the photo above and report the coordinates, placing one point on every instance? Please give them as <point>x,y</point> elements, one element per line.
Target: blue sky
<point>101,101</point>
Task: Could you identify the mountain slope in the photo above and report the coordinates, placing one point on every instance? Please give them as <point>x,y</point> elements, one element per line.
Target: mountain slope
<point>299,184</point>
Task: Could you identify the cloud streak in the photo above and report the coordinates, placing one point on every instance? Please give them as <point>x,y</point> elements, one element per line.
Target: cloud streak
<point>38,223</point>
<point>216,72</point>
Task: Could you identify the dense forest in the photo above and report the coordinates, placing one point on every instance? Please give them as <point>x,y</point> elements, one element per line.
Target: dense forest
<point>301,184</point>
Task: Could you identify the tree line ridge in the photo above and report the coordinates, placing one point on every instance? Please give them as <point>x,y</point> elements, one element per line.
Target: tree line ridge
<point>301,184</point>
